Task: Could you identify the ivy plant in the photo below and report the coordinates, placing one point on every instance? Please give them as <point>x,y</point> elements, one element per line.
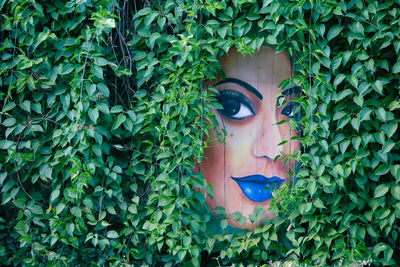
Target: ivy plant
<point>104,116</point>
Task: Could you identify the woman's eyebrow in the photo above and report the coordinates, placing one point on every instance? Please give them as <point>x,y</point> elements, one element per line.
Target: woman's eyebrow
<point>243,84</point>
<point>295,90</point>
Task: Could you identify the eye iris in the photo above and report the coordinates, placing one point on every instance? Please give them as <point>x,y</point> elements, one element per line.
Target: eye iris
<point>289,110</point>
<point>231,106</point>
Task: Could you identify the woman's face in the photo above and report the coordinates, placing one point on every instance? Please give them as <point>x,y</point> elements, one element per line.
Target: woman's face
<point>242,170</point>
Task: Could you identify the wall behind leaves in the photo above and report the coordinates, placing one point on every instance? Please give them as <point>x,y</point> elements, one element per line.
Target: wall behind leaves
<point>103,114</point>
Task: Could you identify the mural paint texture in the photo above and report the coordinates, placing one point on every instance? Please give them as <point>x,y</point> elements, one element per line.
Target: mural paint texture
<point>245,169</point>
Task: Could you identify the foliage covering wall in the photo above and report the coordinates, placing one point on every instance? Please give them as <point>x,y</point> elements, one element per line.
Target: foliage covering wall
<point>103,116</point>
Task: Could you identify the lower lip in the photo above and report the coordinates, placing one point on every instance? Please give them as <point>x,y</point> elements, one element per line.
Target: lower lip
<point>258,188</point>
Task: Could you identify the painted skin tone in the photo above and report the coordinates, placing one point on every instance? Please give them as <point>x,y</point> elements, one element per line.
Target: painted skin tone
<point>249,116</point>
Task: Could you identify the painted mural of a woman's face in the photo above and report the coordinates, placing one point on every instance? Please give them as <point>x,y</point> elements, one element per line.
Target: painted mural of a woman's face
<point>242,170</point>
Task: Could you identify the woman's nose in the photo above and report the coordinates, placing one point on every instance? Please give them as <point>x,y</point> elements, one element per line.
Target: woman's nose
<point>267,141</point>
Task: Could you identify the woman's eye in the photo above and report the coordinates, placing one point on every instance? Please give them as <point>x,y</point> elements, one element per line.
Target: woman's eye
<point>235,105</point>
<point>290,110</point>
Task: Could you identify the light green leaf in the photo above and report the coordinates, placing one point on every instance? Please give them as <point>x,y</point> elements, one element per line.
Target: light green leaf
<point>26,105</point>
<point>221,32</point>
<point>319,204</point>
<point>394,105</point>
<point>6,144</point>
<point>396,192</point>
<point>186,241</point>
<point>120,119</point>
<point>9,122</point>
<point>334,31</point>
<point>382,169</point>
<point>378,86</point>
<point>224,224</point>
<point>381,190</point>
<point>93,114</point>
<point>117,109</point>
<point>36,209</point>
<point>54,195</point>
<point>103,89</point>
<point>112,234</point>
<point>98,72</point>
<point>76,211</point>
<point>339,78</point>
<point>396,67</point>
<point>99,61</point>
<point>388,146</point>
<point>391,129</point>
<point>381,114</point>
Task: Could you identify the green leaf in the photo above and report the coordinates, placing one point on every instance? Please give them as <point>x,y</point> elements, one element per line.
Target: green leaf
<point>378,86</point>
<point>9,122</point>
<point>70,228</point>
<point>186,241</point>
<point>324,181</point>
<point>359,100</point>
<point>224,224</point>
<point>391,129</point>
<point>312,187</point>
<point>222,32</point>
<point>93,114</point>
<point>67,69</point>
<point>60,207</point>
<point>99,61</point>
<point>65,100</point>
<point>395,192</point>
<point>353,81</point>
<point>120,119</point>
<point>381,114</point>
<point>379,248</point>
<point>339,79</point>
<point>98,72</point>
<point>336,62</point>
<point>381,190</point>
<point>76,211</point>
<point>394,105</point>
<point>396,67</point>
<point>139,55</point>
<point>383,214</point>
<point>388,146</point>
<point>54,195</point>
<point>3,176</point>
<point>6,144</point>
<point>355,122</point>
<point>365,114</point>
<point>36,209</point>
<point>26,105</point>
<point>103,89</point>
<point>153,38</point>
<point>334,31</point>
<point>117,109</point>
<point>112,234</point>
<point>319,204</point>
<point>143,12</point>
<point>382,169</point>
<point>210,190</point>
<point>271,40</point>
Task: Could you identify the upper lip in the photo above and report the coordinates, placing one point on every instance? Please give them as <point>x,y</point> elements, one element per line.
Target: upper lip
<point>258,188</point>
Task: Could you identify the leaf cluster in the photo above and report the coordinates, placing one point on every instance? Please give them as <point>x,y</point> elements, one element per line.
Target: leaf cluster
<point>104,118</point>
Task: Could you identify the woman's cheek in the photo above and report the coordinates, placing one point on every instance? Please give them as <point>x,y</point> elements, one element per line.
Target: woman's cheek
<point>239,141</point>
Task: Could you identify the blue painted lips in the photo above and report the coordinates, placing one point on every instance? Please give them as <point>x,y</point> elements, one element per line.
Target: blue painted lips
<point>258,188</point>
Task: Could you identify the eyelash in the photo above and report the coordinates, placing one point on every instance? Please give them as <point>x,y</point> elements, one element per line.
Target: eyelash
<point>289,110</point>
<point>242,103</point>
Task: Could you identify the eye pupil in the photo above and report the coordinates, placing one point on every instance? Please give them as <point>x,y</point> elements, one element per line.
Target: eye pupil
<point>235,105</point>
<point>231,106</point>
<point>289,110</point>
